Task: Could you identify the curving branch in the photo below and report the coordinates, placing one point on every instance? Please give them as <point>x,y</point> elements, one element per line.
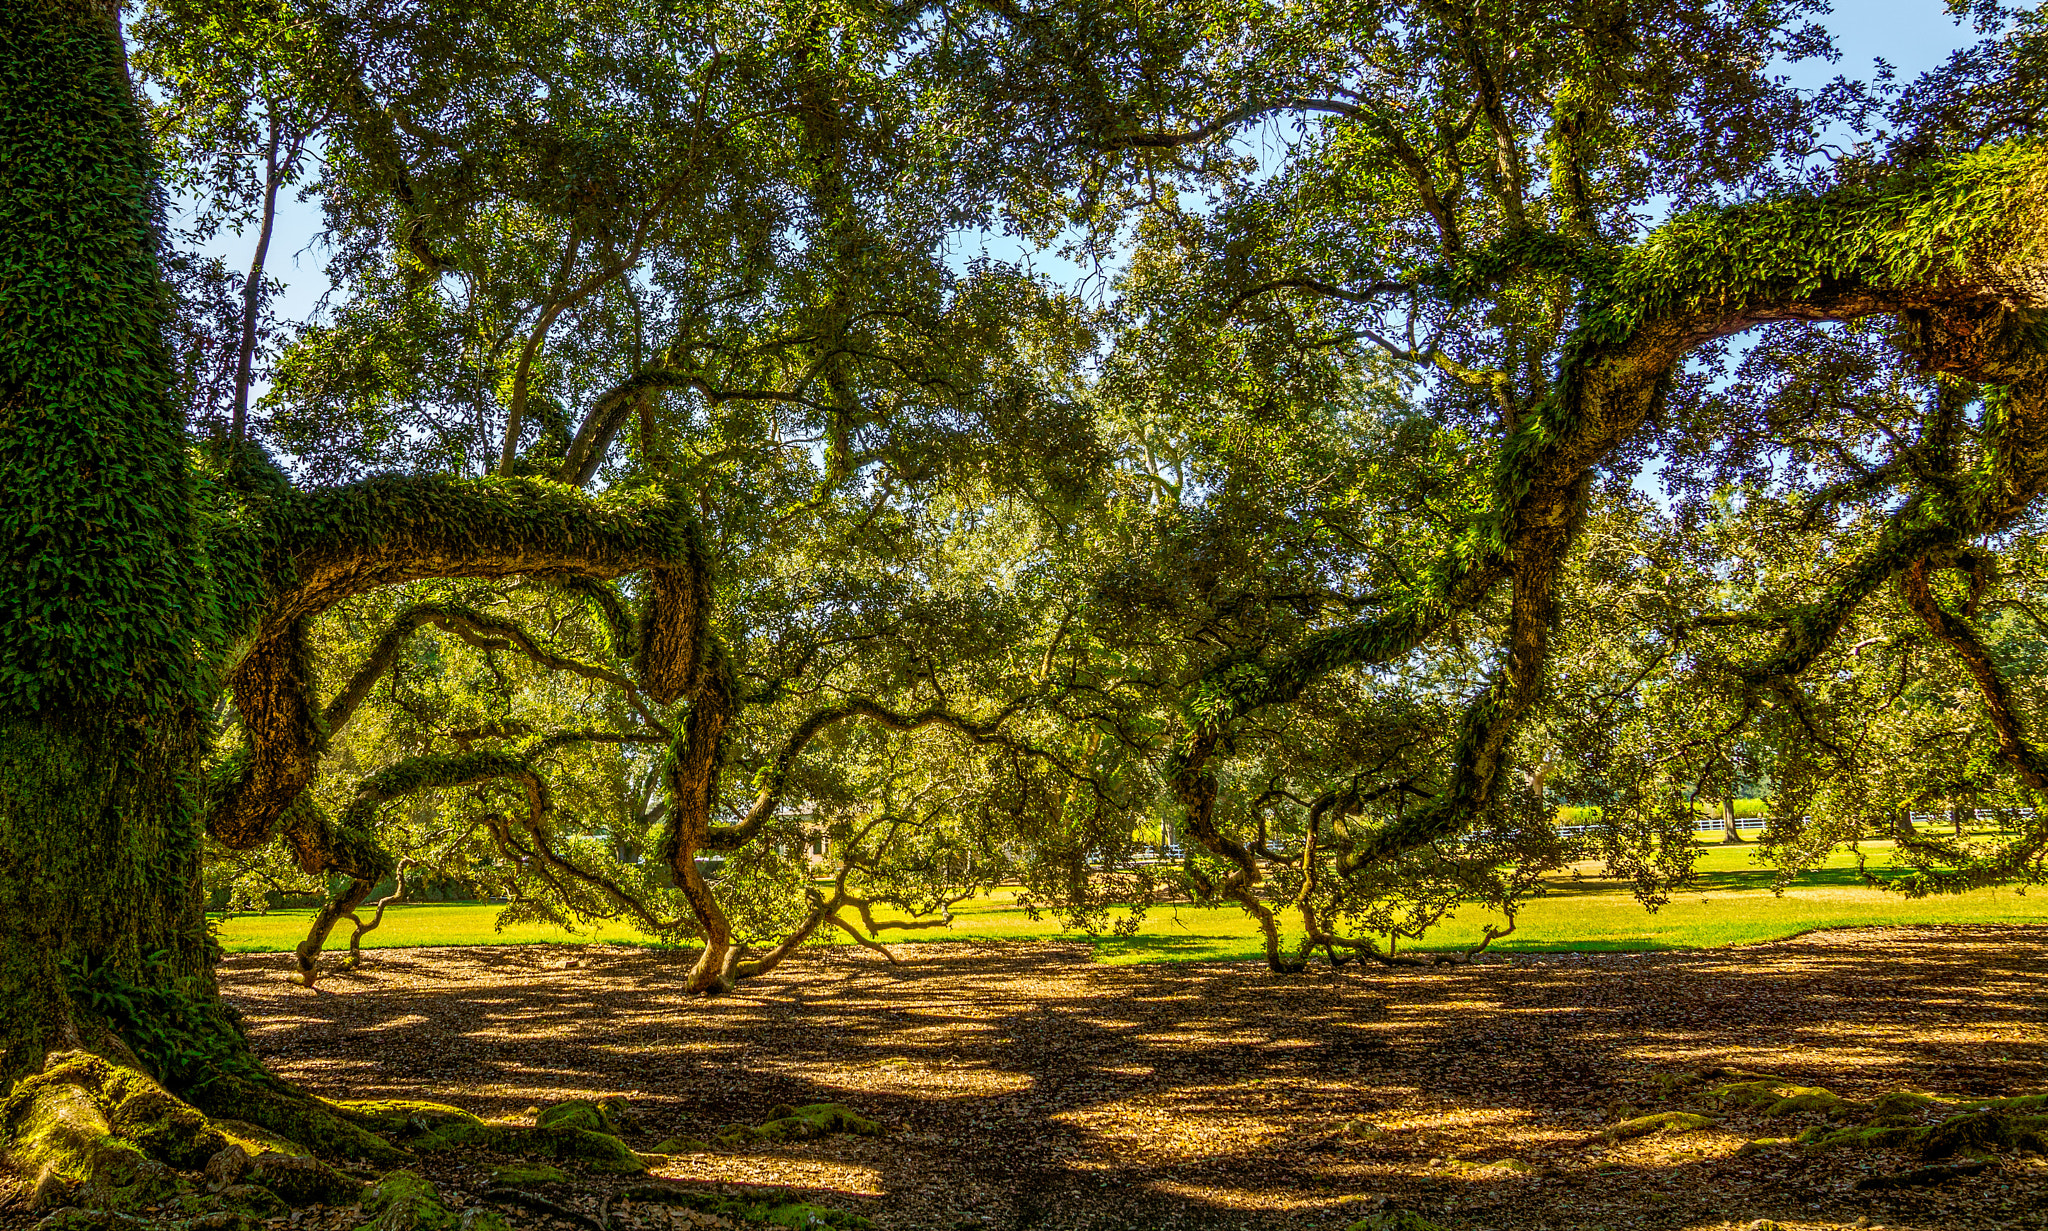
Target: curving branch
<point>1367,296</point>
<point>1959,250</point>
<point>1208,129</point>
<point>485,632</point>
<point>1954,631</point>
<point>616,405</point>
<point>301,552</point>
<point>774,779</point>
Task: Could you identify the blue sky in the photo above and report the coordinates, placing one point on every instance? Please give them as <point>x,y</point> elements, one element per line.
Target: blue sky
<point>1913,35</point>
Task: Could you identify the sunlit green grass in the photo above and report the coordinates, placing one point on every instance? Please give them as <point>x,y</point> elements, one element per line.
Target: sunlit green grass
<point>1732,903</point>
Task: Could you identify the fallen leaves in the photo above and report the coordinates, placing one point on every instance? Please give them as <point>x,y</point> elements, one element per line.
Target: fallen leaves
<point>1025,1085</point>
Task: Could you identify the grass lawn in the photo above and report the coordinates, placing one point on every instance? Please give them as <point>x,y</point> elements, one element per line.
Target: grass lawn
<point>1731,903</point>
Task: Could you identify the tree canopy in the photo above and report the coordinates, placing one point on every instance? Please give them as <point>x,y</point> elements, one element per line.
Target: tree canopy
<point>1477,410</point>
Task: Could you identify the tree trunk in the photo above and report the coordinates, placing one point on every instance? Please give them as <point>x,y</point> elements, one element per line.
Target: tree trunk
<point>99,882</point>
<point>1730,832</point>
<point>692,777</point>
<point>99,840</point>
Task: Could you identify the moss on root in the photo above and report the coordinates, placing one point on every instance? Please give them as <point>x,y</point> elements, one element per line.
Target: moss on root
<point>103,1138</point>
<point>303,1181</point>
<point>403,1201</point>
<point>1899,1119</point>
<point>1868,1136</point>
<point>111,1131</point>
<point>591,1151</point>
<point>253,1200</point>
<point>1657,1122</point>
<point>786,1123</point>
<point>58,1130</point>
<point>401,1120</point>
<point>529,1175</point>
<point>254,1139</point>
<point>1989,1128</point>
<point>70,1116</point>
<point>558,1135</point>
<point>609,1115</point>
<point>321,1128</point>
<point>1802,1100</point>
<point>1904,1103</point>
<point>107,1140</point>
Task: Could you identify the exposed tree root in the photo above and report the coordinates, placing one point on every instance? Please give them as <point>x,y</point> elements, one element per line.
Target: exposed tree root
<point>1934,1128</point>
<point>534,1201</point>
<point>108,1137</point>
<point>1920,1177</point>
<point>784,1123</point>
<point>99,1141</point>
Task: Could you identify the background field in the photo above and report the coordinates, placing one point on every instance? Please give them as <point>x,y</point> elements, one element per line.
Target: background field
<point>1732,903</point>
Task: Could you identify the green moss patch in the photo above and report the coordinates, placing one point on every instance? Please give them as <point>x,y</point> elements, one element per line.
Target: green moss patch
<point>325,1129</point>
<point>1803,1100</point>
<point>1658,1122</point>
<point>1869,1136</point>
<point>1772,1096</point>
<point>683,1145</point>
<point>786,1123</point>
<point>1995,1128</point>
<point>591,1115</point>
<point>56,1127</point>
<point>252,1200</point>
<point>1902,1103</point>
<point>303,1181</point>
<point>403,1201</point>
<point>129,1180</point>
<point>254,1139</point>
<point>82,1106</point>
<point>593,1151</point>
<point>401,1119</point>
<point>1745,1095</point>
<point>1761,1144</point>
<point>589,1150</point>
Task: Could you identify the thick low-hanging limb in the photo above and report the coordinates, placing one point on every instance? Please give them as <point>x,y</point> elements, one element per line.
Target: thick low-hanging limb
<point>1961,250</point>
<point>308,551</point>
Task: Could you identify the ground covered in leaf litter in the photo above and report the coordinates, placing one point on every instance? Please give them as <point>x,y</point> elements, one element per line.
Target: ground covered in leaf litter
<point>1024,1086</point>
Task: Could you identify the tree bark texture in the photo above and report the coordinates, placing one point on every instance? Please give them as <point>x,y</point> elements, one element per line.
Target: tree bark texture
<point>100,602</point>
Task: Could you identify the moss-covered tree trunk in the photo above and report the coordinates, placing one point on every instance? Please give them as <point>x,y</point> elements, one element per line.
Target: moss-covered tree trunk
<point>101,634</point>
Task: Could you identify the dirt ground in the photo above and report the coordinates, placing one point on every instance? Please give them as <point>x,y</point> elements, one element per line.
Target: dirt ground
<point>1024,1086</point>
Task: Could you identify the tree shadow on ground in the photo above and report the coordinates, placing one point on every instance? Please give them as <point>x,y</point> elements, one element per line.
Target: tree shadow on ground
<point>1025,1086</point>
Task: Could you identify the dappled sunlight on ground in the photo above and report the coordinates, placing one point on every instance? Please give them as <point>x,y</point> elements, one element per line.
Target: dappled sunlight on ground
<point>1028,1087</point>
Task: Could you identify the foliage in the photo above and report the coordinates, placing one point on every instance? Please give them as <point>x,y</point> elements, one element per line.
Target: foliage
<point>1000,585</point>
<point>664,521</point>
